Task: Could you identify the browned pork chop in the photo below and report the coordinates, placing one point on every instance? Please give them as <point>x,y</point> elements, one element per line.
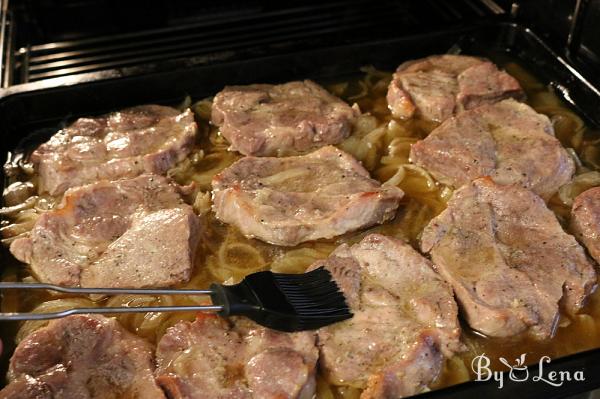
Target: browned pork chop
<point>507,140</point>
<point>585,220</point>
<point>82,357</point>
<point>270,120</point>
<point>508,260</point>
<point>148,138</point>
<point>286,201</point>
<point>404,323</point>
<point>439,86</point>
<point>236,358</point>
<point>127,233</point>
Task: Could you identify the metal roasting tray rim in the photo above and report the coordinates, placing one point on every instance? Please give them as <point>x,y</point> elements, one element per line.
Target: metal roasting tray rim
<point>31,107</point>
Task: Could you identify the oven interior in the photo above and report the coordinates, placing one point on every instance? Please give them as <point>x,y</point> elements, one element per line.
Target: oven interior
<point>60,59</point>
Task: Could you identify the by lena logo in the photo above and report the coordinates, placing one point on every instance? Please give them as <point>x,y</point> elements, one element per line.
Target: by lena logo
<point>518,372</point>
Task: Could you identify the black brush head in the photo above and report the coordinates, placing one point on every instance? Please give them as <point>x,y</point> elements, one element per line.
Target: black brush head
<point>287,302</point>
<point>314,296</point>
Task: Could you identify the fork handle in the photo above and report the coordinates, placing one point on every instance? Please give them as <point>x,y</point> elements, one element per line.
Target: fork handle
<point>105,291</point>
<point>141,309</point>
<point>104,310</point>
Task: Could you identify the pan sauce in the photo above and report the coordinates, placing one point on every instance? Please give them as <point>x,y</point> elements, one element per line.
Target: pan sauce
<point>382,145</point>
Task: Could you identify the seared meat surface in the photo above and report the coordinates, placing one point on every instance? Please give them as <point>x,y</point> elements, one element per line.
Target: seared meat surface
<point>286,201</point>
<point>404,323</point>
<point>585,220</point>
<point>508,259</point>
<point>507,140</point>
<point>148,138</point>
<point>271,120</point>
<point>82,357</point>
<point>127,233</point>
<point>235,358</point>
<point>439,86</point>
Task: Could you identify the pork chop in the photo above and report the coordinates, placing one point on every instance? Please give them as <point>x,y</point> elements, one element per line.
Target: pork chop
<point>585,220</point>
<point>271,120</point>
<point>83,357</point>
<point>286,201</point>
<point>508,259</point>
<point>125,144</point>
<point>404,323</point>
<point>507,140</point>
<point>128,233</point>
<point>236,358</point>
<point>439,86</point>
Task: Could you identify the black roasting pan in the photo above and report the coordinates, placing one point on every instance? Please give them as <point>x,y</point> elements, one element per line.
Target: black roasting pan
<point>39,108</point>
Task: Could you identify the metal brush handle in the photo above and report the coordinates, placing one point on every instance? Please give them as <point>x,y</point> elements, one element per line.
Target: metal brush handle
<point>285,302</point>
<point>104,310</point>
